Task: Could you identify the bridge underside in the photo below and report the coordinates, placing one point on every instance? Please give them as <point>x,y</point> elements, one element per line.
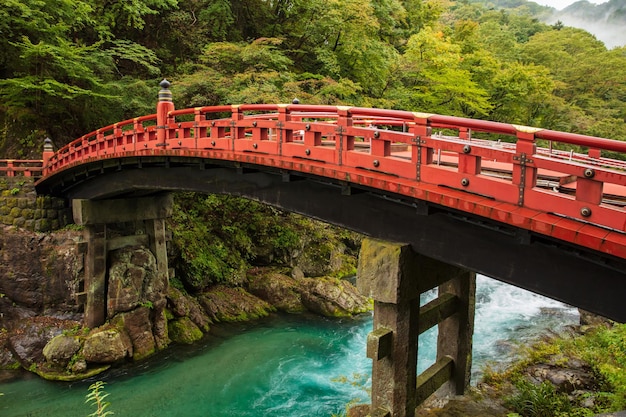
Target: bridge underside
<point>589,280</point>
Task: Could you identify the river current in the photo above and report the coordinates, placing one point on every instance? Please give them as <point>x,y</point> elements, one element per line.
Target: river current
<point>282,366</point>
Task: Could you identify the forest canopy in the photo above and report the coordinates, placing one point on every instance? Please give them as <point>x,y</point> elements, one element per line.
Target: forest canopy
<point>70,66</point>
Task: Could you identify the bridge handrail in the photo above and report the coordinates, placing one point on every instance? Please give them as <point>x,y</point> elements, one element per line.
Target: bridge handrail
<point>21,167</point>
<point>397,146</point>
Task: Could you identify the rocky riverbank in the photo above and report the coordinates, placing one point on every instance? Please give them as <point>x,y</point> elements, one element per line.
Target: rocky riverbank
<point>40,290</point>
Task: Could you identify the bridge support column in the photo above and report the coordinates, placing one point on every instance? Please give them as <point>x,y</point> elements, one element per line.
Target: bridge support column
<point>395,276</point>
<point>95,275</point>
<point>98,216</point>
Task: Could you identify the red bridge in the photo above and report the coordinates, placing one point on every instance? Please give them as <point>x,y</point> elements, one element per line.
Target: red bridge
<point>512,202</point>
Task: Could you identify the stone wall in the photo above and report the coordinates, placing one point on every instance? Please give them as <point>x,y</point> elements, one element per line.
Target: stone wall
<point>21,207</point>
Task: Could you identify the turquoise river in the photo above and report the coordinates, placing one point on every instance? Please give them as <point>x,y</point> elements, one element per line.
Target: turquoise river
<point>282,366</point>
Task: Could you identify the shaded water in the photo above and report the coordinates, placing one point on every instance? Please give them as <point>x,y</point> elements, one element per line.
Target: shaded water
<point>282,366</point>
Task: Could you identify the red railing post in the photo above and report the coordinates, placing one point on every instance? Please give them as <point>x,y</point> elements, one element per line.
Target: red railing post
<point>524,172</point>
<point>236,131</point>
<point>164,106</point>
<point>420,155</point>
<point>284,116</point>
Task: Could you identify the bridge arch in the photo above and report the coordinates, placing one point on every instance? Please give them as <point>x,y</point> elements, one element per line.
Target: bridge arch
<point>548,221</point>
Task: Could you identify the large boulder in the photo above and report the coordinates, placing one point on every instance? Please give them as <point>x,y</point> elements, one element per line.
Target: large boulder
<point>133,280</point>
<point>32,335</point>
<point>183,330</point>
<point>332,297</point>
<point>182,305</point>
<point>60,350</point>
<point>138,327</point>
<point>228,304</point>
<point>281,291</point>
<point>107,345</point>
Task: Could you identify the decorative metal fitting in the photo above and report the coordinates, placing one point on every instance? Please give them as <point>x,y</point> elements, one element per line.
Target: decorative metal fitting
<point>180,143</point>
<point>467,149</point>
<point>376,162</point>
<point>47,145</point>
<point>254,124</point>
<point>212,123</point>
<point>465,182</point>
<point>254,145</point>
<point>589,173</point>
<point>308,126</point>
<point>377,134</point>
<point>585,211</point>
<point>307,151</point>
<point>145,145</point>
<point>165,94</point>
<point>212,143</point>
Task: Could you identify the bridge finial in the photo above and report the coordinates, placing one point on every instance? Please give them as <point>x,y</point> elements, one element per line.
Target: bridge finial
<point>295,101</point>
<point>48,146</point>
<point>48,151</point>
<point>165,94</point>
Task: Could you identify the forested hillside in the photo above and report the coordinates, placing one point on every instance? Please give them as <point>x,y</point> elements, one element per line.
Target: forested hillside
<point>70,66</point>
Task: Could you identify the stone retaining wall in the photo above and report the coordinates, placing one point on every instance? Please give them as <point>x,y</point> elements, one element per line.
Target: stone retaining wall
<point>21,207</point>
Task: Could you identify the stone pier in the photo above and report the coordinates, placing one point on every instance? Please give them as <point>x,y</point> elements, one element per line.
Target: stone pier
<point>395,277</point>
<point>146,214</point>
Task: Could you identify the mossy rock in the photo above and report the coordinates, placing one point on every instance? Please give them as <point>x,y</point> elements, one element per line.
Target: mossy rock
<point>56,375</point>
<point>183,330</point>
<point>228,304</point>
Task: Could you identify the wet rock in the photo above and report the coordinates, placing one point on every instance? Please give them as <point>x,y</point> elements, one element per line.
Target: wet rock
<point>464,406</point>
<point>107,346</point>
<point>132,280</point>
<point>281,291</point>
<point>183,330</point>
<point>332,297</point>
<point>79,367</point>
<point>60,350</point>
<point>565,374</point>
<point>590,319</point>
<point>182,305</point>
<point>32,335</point>
<point>38,272</point>
<point>222,303</point>
<point>138,327</point>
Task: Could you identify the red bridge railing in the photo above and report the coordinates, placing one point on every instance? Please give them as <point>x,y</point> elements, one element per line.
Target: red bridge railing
<point>494,170</point>
<point>21,168</point>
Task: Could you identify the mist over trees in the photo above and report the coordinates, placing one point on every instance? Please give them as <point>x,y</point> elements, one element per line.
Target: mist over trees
<point>71,66</point>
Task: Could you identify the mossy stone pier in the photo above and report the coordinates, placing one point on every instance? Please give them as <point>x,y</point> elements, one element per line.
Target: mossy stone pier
<point>395,276</point>
<point>144,220</point>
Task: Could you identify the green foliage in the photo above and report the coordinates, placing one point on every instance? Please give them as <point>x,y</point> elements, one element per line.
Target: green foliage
<point>218,235</point>
<point>96,398</point>
<point>538,400</point>
<point>603,348</point>
<point>70,66</point>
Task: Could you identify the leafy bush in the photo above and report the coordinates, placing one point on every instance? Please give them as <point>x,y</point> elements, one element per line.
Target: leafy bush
<point>218,236</point>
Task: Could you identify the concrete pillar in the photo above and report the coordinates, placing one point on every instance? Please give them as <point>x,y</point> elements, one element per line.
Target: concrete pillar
<point>455,333</point>
<point>387,274</point>
<point>95,275</point>
<point>155,228</point>
<point>95,215</point>
<point>395,276</point>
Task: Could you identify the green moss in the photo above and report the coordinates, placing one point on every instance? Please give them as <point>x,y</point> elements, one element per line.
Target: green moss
<point>183,330</point>
<point>53,375</point>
